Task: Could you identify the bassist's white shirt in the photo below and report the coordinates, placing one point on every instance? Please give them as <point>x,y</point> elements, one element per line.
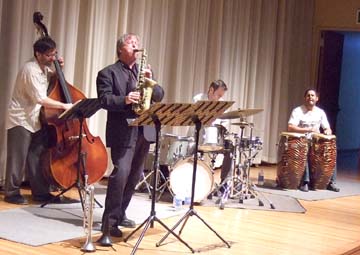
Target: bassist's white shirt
<point>30,88</point>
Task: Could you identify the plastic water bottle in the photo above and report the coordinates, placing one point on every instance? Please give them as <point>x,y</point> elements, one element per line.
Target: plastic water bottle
<point>177,202</point>
<point>187,199</point>
<point>261,178</point>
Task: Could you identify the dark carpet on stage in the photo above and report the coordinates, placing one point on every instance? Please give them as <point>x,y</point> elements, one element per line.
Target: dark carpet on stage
<point>348,187</point>
<point>280,203</point>
<point>37,226</point>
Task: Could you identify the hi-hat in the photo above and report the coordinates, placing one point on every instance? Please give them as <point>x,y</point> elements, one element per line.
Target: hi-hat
<point>242,123</point>
<point>239,113</point>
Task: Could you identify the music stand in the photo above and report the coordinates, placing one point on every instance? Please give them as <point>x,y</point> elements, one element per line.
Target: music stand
<point>158,114</point>
<point>203,113</point>
<point>81,110</point>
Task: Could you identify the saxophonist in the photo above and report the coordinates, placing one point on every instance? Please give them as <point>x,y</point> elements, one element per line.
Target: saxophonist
<point>117,89</point>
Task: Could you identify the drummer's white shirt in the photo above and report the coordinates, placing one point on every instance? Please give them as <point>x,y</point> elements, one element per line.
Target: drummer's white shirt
<point>199,97</point>
<point>30,88</point>
<point>304,118</point>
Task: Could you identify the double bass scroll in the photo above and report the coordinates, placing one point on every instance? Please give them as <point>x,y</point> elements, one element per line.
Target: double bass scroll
<point>60,161</point>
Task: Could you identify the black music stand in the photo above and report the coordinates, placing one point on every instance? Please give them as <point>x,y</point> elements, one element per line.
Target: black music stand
<point>203,113</point>
<point>81,110</point>
<point>158,114</point>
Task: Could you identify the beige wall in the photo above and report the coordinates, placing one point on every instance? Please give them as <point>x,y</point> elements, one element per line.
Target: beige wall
<point>332,15</point>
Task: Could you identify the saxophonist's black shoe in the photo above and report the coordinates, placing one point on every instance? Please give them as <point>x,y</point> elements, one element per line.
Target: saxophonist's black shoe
<point>115,232</point>
<point>105,239</point>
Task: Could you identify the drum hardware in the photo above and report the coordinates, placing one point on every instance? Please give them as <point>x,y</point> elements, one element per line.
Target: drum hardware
<point>154,118</point>
<point>161,185</point>
<point>212,156</point>
<point>232,175</point>
<point>248,187</point>
<point>238,184</point>
<point>172,149</point>
<point>243,123</point>
<point>191,212</point>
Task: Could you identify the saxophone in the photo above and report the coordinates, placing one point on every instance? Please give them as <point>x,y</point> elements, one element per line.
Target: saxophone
<point>144,86</point>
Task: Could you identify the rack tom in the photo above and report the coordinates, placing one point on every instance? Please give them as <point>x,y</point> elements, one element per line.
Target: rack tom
<point>322,159</point>
<point>292,156</point>
<point>174,147</point>
<point>212,138</point>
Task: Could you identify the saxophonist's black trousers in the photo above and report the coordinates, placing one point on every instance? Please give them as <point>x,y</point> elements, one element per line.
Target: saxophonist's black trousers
<point>128,166</point>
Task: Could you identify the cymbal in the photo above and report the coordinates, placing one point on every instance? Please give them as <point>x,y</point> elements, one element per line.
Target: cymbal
<point>239,113</point>
<point>242,123</point>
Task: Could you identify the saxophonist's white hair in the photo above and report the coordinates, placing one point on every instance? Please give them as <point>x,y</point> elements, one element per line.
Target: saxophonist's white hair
<point>122,40</point>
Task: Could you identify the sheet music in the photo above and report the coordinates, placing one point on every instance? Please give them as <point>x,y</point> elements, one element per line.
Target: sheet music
<point>83,108</point>
<point>182,114</point>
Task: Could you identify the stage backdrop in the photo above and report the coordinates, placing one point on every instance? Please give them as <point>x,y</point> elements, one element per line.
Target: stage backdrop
<point>260,48</point>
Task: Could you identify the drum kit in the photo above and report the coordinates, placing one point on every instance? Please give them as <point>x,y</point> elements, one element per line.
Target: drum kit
<point>176,152</point>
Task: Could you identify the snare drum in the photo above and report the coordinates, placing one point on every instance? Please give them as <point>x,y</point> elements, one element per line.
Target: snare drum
<point>181,179</point>
<point>322,159</point>
<point>174,147</point>
<point>292,156</point>
<point>212,138</point>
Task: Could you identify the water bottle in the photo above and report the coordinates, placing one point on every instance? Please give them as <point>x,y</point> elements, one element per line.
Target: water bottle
<point>261,178</point>
<point>177,202</point>
<point>187,199</point>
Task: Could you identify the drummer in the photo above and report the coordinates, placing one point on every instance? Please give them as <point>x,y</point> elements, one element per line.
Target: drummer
<point>307,119</point>
<point>216,92</point>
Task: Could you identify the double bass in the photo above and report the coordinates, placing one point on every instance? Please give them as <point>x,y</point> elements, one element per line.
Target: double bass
<point>61,163</point>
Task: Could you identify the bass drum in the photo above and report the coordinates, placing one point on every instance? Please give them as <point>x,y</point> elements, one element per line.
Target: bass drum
<point>181,179</point>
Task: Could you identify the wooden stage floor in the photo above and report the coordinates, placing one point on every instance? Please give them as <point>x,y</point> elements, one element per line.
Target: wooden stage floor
<point>328,227</point>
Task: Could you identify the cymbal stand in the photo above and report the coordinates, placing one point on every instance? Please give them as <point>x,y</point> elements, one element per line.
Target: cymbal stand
<point>149,222</point>
<point>191,211</point>
<point>232,184</point>
<point>249,189</point>
<point>158,189</point>
<point>144,181</point>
